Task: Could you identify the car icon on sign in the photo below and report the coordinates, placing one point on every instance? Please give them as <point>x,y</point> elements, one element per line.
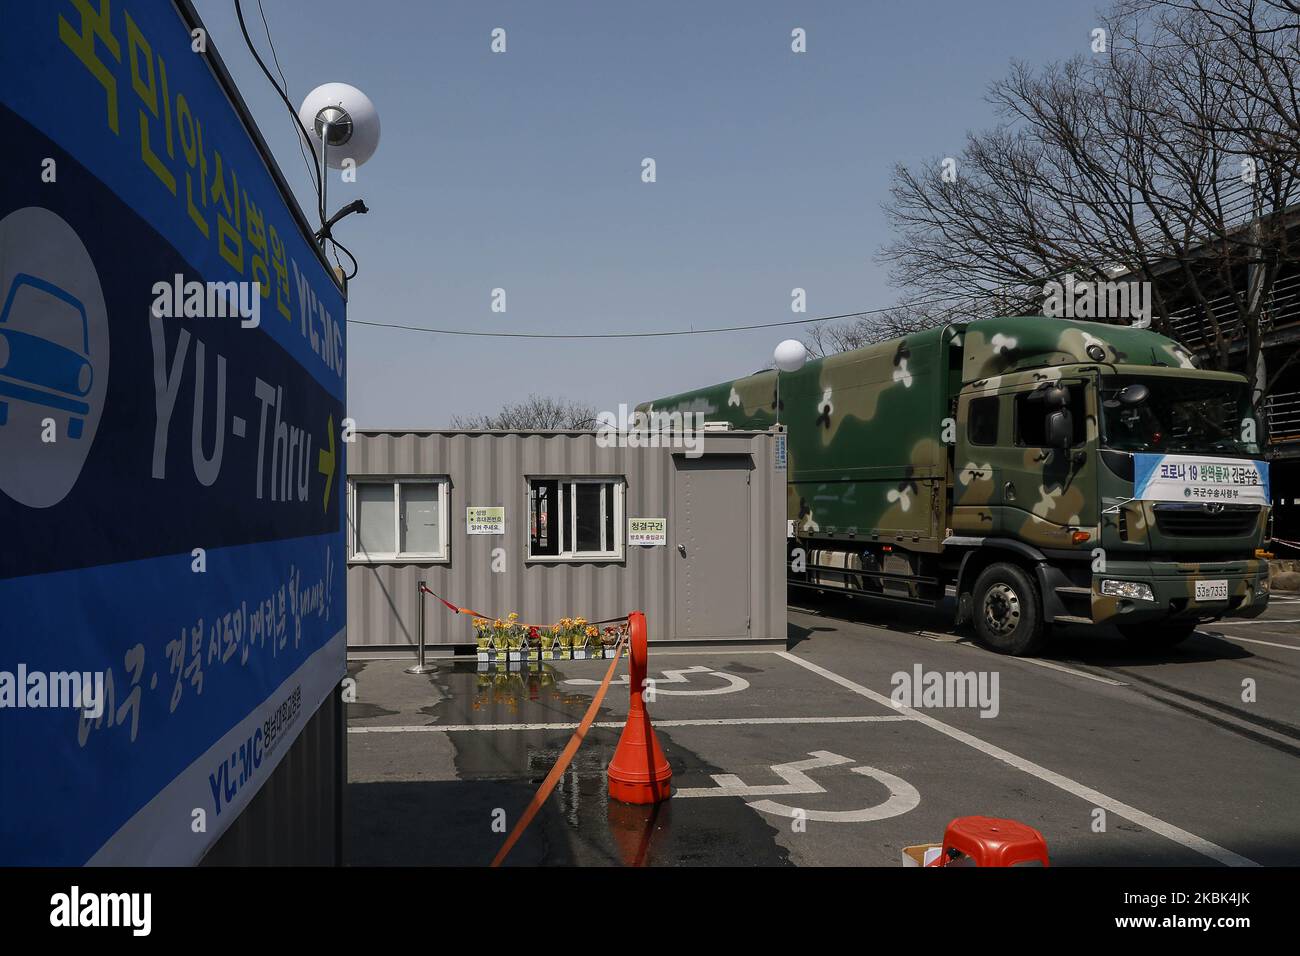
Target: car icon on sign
<point>44,350</point>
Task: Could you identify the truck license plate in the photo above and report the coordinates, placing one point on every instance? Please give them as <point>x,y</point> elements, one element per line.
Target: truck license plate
<point>1211,590</point>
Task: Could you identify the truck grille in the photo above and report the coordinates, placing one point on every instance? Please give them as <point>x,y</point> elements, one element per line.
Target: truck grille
<point>1206,520</point>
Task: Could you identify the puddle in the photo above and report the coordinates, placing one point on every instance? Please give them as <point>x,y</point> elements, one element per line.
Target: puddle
<point>463,821</point>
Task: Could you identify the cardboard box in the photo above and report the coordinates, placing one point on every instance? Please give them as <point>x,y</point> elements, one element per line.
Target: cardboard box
<point>923,854</point>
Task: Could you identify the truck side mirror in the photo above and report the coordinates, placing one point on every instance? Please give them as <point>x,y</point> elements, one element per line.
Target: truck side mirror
<point>1134,395</point>
<point>1059,428</point>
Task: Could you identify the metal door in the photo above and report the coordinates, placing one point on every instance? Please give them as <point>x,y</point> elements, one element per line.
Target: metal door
<point>711,546</point>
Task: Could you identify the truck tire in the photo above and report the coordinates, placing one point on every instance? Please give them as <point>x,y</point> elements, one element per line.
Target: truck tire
<point>1007,610</point>
<point>1157,636</point>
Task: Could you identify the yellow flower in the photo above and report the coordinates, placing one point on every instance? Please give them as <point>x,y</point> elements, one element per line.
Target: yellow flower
<point>592,630</point>
<point>581,622</point>
<point>498,623</point>
<point>513,616</point>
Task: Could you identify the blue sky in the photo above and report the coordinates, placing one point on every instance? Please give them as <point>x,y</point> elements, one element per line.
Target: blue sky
<point>522,171</point>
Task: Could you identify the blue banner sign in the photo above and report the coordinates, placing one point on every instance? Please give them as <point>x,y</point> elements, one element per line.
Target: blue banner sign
<point>172,587</point>
<point>1199,478</point>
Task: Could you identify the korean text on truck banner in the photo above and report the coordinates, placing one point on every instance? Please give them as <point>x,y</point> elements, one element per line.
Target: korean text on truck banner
<point>171,398</point>
<point>1197,478</point>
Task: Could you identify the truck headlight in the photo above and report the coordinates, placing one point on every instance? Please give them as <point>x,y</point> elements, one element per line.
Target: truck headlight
<point>1128,589</point>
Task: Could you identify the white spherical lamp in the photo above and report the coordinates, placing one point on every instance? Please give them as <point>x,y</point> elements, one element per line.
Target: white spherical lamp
<point>790,355</point>
<point>349,116</point>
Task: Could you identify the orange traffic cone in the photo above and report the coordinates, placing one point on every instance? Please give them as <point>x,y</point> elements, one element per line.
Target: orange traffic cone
<point>639,772</point>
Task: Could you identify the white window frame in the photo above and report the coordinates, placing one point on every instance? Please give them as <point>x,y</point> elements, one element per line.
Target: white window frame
<point>442,556</point>
<point>611,554</point>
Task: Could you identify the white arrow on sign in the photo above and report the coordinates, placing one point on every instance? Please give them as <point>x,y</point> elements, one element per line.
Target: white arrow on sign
<point>734,683</point>
<point>902,795</point>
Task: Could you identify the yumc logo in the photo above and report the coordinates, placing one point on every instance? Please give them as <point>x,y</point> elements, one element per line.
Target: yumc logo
<point>924,689</point>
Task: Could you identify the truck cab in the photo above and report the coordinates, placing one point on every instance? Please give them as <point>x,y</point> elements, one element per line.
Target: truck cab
<point>1056,454</point>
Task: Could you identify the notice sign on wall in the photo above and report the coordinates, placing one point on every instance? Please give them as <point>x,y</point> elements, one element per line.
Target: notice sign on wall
<point>652,531</point>
<point>481,520</point>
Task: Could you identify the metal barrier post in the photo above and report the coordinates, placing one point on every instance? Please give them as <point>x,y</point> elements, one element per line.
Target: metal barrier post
<point>422,667</point>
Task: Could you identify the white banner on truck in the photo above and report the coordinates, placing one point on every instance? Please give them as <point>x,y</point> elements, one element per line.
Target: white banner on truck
<point>1196,478</point>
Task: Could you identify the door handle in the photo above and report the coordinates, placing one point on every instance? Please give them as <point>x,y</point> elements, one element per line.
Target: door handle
<point>1009,490</point>
<point>682,550</point>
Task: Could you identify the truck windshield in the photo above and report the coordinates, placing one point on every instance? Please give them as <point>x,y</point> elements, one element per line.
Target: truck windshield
<point>1179,416</point>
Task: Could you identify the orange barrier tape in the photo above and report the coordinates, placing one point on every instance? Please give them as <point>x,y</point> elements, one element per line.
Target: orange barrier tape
<point>566,757</point>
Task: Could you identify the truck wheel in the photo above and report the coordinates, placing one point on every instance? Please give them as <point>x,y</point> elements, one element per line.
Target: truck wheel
<point>1006,609</point>
<point>1155,636</point>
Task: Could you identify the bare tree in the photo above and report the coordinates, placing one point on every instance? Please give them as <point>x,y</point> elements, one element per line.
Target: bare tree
<point>537,412</point>
<point>1151,161</point>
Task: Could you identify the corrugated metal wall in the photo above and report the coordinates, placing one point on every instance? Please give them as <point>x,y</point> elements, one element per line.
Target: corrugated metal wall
<point>296,818</point>
<point>491,468</point>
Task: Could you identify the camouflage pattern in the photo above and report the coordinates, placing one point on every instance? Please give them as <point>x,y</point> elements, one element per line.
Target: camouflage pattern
<point>865,455</point>
<point>994,347</point>
<point>879,452</point>
<point>1036,495</point>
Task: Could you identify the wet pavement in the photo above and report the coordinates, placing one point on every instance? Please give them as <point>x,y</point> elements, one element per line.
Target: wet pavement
<point>799,757</point>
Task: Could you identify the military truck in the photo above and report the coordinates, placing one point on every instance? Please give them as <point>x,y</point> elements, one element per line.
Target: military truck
<point>1050,471</point>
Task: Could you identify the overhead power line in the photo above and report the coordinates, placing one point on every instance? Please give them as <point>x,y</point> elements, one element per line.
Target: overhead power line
<point>665,332</point>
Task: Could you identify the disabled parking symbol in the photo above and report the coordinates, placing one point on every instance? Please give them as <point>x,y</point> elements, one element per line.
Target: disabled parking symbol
<point>902,795</point>
<point>733,683</point>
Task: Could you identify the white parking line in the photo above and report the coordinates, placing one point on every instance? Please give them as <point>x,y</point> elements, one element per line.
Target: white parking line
<point>659,649</point>
<point>1257,622</point>
<point>617,724</point>
<point>1250,640</point>
<point>1070,670</point>
<point>957,639</point>
<point>1189,840</point>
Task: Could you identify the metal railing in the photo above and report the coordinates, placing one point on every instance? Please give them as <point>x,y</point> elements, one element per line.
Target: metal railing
<point>1281,308</point>
<point>1282,411</point>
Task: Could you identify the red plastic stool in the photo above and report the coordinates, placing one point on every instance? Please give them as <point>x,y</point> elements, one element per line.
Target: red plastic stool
<point>989,841</point>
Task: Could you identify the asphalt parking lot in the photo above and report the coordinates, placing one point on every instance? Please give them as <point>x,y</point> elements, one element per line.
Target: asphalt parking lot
<point>798,756</point>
